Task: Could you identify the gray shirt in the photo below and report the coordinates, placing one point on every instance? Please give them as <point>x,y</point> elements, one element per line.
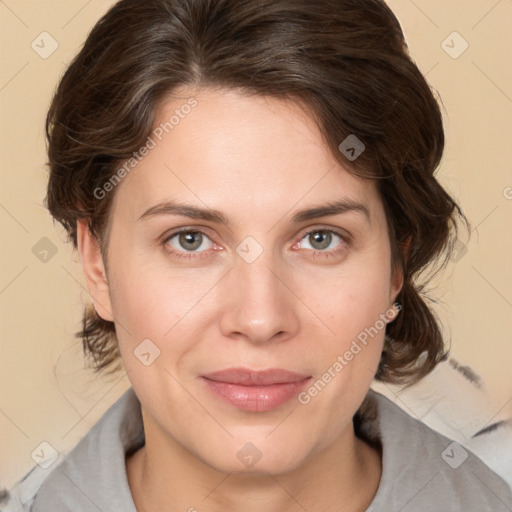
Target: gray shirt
<point>422,469</point>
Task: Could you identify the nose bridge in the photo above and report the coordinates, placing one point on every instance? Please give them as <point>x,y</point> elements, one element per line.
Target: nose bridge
<point>258,281</point>
<point>260,306</point>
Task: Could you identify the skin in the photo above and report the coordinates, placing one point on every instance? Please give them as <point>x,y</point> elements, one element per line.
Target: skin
<point>298,306</point>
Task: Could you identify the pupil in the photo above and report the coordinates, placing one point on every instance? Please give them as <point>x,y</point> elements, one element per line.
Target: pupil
<point>321,238</point>
<point>187,240</point>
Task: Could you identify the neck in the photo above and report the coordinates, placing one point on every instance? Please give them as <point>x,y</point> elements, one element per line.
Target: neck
<point>164,476</point>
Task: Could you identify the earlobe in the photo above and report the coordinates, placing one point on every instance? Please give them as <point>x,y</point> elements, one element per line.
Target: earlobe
<point>397,281</point>
<point>94,270</point>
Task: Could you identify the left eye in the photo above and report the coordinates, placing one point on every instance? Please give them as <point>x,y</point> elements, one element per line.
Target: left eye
<point>320,239</point>
<point>190,241</point>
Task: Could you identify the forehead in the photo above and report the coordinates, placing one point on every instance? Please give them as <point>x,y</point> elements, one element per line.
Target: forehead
<point>247,154</point>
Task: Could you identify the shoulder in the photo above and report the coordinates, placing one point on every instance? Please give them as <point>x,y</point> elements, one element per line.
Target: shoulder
<point>92,474</point>
<point>20,498</point>
<point>424,470</point>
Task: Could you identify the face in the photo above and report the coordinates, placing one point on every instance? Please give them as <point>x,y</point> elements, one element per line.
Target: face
<point>248,277</point>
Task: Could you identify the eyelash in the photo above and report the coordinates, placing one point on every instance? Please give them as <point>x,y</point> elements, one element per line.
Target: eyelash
<point>187,255</point>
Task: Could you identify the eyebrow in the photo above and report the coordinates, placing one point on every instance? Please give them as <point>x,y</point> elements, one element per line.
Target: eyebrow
<point>216,216</point>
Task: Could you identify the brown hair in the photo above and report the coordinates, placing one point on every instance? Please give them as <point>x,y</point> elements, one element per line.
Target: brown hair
<point>345,60</point>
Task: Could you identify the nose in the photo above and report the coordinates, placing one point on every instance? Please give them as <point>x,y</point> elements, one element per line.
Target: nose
<point>259,307</point>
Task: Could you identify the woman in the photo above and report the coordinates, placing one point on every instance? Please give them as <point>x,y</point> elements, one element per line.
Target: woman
<point>250,186</point>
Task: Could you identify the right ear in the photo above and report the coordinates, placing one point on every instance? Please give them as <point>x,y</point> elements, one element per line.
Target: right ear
<point>94,270</point>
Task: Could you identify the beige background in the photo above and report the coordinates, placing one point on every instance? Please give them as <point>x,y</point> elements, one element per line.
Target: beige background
<point>45,393</point>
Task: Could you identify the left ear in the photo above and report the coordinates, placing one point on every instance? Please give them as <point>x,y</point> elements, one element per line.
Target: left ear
<point>397,281</point>
<point>397,276</point>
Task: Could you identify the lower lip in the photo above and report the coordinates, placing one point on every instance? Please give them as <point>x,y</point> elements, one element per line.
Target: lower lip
<point>256,398</point>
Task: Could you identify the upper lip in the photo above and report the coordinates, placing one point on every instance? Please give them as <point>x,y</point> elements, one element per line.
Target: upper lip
<point>247,377</point>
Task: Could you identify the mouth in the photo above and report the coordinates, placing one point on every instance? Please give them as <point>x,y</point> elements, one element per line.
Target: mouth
<point>255,391</point>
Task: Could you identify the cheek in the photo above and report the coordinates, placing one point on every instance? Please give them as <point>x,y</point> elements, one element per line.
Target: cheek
<point>351,300</point>
<point>346,361</point>
<point>170,308</point>
<point>152,298</point>
<point>353,304</point>
<point>137,304</point>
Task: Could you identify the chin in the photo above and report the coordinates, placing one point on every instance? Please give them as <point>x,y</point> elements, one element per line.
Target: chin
<point>251,461</point>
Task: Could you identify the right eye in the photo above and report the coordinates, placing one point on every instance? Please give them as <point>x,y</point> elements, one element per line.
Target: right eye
<point>187,242</point>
